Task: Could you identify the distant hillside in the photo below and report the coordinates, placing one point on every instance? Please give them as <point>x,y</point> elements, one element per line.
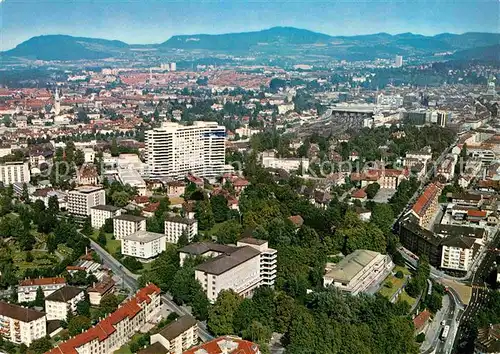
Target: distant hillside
<point>276,41</point>
<point>489,53</point>
<point>61,47</point>
<point>246,40</point>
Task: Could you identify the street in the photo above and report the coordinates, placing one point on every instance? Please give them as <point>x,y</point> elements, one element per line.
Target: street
<point>130,281</point>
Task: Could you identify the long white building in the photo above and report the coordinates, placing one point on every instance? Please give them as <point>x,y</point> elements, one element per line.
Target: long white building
<point>243,268</point>
<point>358,271</point>
<point>12,172</point>
<point>174,150</point>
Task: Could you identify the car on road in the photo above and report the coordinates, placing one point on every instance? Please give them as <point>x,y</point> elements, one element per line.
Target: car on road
<point>443,322</point>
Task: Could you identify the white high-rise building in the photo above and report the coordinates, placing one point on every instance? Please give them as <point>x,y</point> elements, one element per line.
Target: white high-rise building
<point>174,150</point>
<point>398,62</point>
<point>81,200</point>
<point>173,66</point>
<point>14,172</point>
<point>57,103</point>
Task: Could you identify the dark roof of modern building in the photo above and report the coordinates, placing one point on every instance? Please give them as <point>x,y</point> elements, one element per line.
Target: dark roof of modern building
<point>64,294</point>
<point>252,241</point>
<point>179,326</point>
<point>53,325</point>
<point>106,207</point>
<point>467,196</point>
<point>180,220</point>
<point>204,247</point>
<point>156,348</point>
<point>20,313</point>
<point>422,233</point>
<point>128,217</point>
<point>459,230</point>
<point>225,262</point>
<point>459,241</point>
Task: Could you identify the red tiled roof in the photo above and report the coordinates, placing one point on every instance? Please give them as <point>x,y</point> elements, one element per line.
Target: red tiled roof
<point>42,281</point>
<point>425,200</point>
<point>359,194</point>
<point>141,199</point>
<point>107,326</point>
<point>151,207</point>
<point>421,319</point>
<point>476,213</point>
<point>224,344</point>
<point>297,220</point>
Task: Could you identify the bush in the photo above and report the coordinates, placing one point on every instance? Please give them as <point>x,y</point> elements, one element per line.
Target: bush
<point>132,264</point>
<point>420,338</point>
<point>399,274</point>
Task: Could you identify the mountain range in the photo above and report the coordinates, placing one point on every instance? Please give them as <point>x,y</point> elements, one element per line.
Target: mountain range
<point>276,40</point>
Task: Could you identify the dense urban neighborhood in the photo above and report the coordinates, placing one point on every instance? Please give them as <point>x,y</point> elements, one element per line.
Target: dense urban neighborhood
<point>163,201</point>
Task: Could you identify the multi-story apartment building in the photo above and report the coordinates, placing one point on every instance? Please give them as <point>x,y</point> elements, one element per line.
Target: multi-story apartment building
<point>420,241</point>
<point>386,178</point>
<point>100,213</point>
<point>268,259</point>
<point>176,225</point>
<point>82,199</point>
<point>125,224</point>
<point>358,271</point>
<point>62,301</point>
<point>427,205</point>
<point>225,345</point>
<point>117,328</point>
<point>241,269</point>
<point>174,150</point>
<point>457,253</point>
<point>100,289</point>
<point>26,290</point>
<point>143,244</point>
<point>20,324</point>
<point>176,337</point>
<point>12,172</point>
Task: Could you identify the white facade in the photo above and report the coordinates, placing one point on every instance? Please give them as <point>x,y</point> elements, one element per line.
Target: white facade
<point>62,301</point>
<point>12,172</point>
<point>81,200</point>
<point>143,244</point>
<point>358,271</point>
<point>21,325</point>
<point>398,61</point>
<point>178,336</point>
<point>288,164</point>
<point>124,225</point>
<point>26,290</point>
<point>457,256</point>
<point>175,150</point>
<point>175,226</point>
<point>100,213</point>
<point>268,259</point>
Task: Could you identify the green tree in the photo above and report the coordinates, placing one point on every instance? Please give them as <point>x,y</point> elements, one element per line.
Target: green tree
<point>51,243</point>
<point>53,204</point>
<point>77,324</point>
<point>87,229</point>
<point>101,238</point>
<point>40,346</point>
<point>109,303</point>
<point>204,215</point>
<point>83,308</point>
<point>108,226</point>
<point>219,208</point>
<point>221,314</point>
<point>40,297</point>
<point>372,189</point>
<point>229,232</point>
<point>120,199</point>
<point>25,196</point>
<point>382,216</point>
<point>115,151</point>
<point>79,158</point>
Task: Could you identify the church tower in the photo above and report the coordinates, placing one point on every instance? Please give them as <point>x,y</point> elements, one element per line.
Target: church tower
<point>57,103</point>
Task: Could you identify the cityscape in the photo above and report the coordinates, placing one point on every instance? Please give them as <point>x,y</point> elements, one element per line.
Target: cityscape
<point>249,183</point>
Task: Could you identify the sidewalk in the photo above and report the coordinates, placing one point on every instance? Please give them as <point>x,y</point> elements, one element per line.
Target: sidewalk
<point>434,328</point>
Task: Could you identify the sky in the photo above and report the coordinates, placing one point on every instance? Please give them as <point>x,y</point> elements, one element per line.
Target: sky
<point>154,21</point>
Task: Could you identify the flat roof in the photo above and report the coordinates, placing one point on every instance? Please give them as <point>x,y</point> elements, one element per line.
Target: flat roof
<point>106,207</point>
<point>225,262</point>
<point>345,270</point>
<point>143,236</point>
<point>128,217</point>
<point>86,189</point>
<point>252,241</point>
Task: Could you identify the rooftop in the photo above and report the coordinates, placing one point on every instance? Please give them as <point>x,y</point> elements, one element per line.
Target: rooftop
<point>459,242</point>
<point>225,262</point>
<point>200,248</point>
<point>225,345</point>
<point>104,207</point>
<point>42,281</point>
<point>143,236</point>
<point>64,294</point>
<point>488,338</point>
<point>86,189</point>
<point>128,217</point>
<point>351,265</point>
<point>20,313</point>
<point>252,241</point>
<point>179,326</point>
<point>180,220</point>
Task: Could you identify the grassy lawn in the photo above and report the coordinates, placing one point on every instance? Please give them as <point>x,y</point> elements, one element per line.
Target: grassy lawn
<point>396,283</point>
<point>41,259</point>
<point>64,250</point>
<point>112,246</point>
<point>405,297</point>
<point>125,349</point>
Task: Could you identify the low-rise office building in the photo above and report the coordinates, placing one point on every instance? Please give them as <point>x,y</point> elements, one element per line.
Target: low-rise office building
<point>26,290</point>
<point>143,244</point>
<point>117,328</point>
<point>358,271</point>
<point>21,325</point>
<point>175,226</point>
<point>82,199</point>
<point>125,224</point>
<point>176,337</point>
<point>63,301</point>
<point>100,213</point>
